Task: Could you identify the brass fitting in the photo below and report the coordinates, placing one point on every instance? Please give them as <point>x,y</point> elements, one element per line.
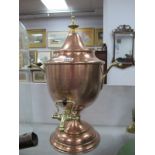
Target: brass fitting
<point>57,116</point>
<point>63,118</point>
<point>115,63</point>
<point>67,115</point>
<point>73,24</point>
<point>131,127</point>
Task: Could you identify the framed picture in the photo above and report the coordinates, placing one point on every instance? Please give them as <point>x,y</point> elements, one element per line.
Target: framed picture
<point>24,60</point>
<point>37,38</point>
<point>44,56</point>
<point>87,35</point>
<point>33,54</point>
<point>24,75</point>
<point>99,37</point>
<point>21,61</point>
<point>38,76</point>
<point>56,38</point>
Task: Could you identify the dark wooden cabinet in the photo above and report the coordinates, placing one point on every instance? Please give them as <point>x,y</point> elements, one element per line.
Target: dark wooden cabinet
<point>102,55</point>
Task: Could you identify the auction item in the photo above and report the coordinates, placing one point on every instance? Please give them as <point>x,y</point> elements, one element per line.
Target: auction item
<point>74,78</point>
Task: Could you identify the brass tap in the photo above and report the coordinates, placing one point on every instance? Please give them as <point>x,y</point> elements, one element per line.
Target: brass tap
<point>57,116</point>
<point>67,115</point>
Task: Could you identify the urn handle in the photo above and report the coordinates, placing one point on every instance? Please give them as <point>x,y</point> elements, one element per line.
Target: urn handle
<point>115,63</point>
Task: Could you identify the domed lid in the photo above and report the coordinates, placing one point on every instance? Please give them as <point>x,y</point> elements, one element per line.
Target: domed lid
<point>73,49</point>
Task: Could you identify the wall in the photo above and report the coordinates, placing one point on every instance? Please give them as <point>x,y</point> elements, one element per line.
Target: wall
<point>118,12</point>
<point>113,105</point>
<point>61,23</point>
<point>115,12</point>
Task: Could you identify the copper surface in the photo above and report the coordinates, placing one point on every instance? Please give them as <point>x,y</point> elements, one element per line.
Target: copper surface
<point>74,74</point>
<point>78,82</point>
<point>78,137</point>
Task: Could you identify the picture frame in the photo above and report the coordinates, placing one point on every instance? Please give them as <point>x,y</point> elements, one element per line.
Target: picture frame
<point>87,36</point>
<point>24,75</point>
<point>38,76</point>
<point>43,56</point>
<point>98,37</point>
<point>56,38</point>
<point>37,38</point>
<point>33,54</point>
<point>21,61</point>
<point>24,60</point>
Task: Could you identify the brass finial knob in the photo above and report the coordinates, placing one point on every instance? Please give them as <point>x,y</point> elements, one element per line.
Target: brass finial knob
<point>73,23</point>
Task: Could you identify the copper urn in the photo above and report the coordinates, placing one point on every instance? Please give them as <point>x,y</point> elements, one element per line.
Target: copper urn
<point>74,77</point>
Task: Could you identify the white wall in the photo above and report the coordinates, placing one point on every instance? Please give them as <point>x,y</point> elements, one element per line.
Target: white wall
<point>113,107</point>
<point>115,12</point>
<point>118,12</point>
<point>61,23</point>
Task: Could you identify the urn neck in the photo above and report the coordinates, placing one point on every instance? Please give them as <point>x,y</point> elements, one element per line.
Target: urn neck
<point>73,42</point>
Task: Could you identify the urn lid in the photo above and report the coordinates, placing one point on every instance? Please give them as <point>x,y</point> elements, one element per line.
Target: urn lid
<point>73,49</point>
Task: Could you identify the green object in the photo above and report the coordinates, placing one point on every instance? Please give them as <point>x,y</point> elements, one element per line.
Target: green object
<point>128,148</point>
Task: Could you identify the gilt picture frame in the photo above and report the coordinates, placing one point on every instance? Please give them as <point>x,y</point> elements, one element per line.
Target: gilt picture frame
<point>38,76</point>
<point>87,36</point>
<point>21,60</point>
<point>98,37</point>
<point>24,75</point>
<point>44,56</point>
<point>33,54</point>
<point>37,38</point>
<point>56,38</point>
<point>24,59</point>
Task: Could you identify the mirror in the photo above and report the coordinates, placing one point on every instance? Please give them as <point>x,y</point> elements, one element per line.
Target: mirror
<point>123,45</point>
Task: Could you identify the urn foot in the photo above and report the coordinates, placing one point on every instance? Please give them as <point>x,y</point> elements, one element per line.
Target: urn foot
<point>77,137</point>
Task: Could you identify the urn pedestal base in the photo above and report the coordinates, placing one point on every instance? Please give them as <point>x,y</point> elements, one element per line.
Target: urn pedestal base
<point>78,137</point>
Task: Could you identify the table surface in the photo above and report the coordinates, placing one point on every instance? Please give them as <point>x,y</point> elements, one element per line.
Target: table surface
<point>112,139</point>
